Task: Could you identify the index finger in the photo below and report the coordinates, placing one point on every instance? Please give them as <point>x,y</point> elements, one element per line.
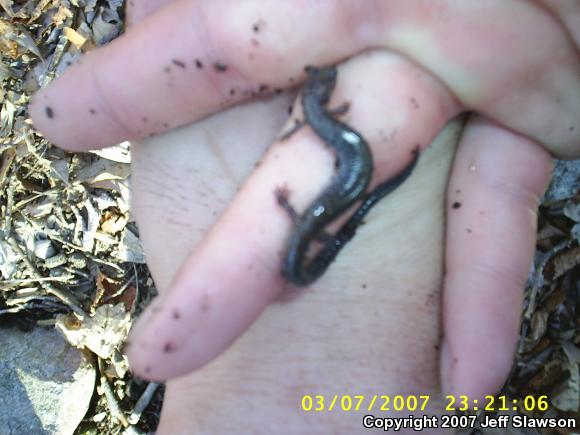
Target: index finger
<point>162,73</point>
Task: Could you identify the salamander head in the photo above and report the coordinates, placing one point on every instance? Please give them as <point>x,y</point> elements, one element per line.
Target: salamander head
<point>320,82</point>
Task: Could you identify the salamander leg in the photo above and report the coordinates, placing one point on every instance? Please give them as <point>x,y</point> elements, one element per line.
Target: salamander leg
<point>282,194</point>
<point>340,110</point>
<point>299,123</point>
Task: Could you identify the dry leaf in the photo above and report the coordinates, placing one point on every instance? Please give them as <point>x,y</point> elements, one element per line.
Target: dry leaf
<point>112,222</point>
<point>130,248</point>
<point>75,38</point>
<point>565,261</point>
<point>118,153</point>
<point>102,333</point>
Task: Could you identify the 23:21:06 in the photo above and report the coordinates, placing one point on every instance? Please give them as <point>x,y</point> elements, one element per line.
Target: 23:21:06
<point>497,403</point>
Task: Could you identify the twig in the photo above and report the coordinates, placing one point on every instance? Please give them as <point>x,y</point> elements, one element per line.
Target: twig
<point>111,399</point>
<point>137,289</point>
<point>33,197</point>
<point>64,296</point>
<point>539,277</point>
<point>37,279</point>
<point>143,402</point>
<point>9,206</point>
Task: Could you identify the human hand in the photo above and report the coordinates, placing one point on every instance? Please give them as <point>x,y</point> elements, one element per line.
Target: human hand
<point>501,238</point>
<point>361,328</point>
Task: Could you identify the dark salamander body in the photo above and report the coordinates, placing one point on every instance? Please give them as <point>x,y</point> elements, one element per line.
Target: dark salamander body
<point>354,173</point>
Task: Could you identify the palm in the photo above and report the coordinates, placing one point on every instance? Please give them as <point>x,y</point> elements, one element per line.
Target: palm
<point>372,318</point>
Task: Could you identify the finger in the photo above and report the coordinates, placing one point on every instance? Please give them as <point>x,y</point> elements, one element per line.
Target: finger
<point>228,51</point>
<point>374,319</point>
<point>568,13</point>
<point>235,271</point>
<point>493,197</point>
<point>138,11</point>
<point>182,181</point>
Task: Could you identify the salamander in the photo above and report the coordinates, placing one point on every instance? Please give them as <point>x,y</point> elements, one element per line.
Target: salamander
<point>348,186</point>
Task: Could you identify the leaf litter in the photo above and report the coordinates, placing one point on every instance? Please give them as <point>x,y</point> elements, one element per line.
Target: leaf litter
<point>70,256</point>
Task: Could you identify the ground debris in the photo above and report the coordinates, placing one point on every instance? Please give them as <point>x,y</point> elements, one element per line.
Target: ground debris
<point>548,358</point>
<point>68,245</point>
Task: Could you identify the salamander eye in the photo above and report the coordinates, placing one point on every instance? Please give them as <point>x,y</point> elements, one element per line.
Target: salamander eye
<point>318,210</point>
<point>351,137</point>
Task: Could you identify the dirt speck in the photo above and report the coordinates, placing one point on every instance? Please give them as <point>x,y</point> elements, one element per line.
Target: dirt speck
<point>169,347</point>
<point>179,63</point>
<point>258,26</point>
<point>205,303</point>
<point>220,67</point>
